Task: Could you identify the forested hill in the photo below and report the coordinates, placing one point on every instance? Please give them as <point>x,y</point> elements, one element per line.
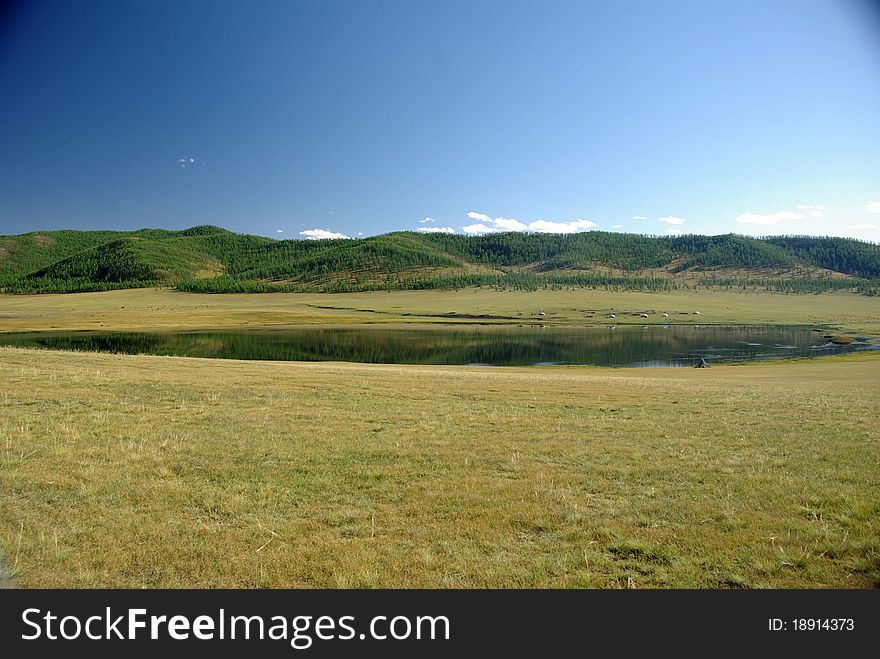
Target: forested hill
<point>213,260</point>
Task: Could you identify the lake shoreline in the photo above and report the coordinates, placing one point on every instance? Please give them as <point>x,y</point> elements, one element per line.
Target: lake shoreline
<point>650,346</point>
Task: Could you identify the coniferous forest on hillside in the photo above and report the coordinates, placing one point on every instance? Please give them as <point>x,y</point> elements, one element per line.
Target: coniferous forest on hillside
<point>210,259</point>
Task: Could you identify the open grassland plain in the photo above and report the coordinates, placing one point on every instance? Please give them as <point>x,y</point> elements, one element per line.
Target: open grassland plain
<point>144,471</point>
<point>167,309</point>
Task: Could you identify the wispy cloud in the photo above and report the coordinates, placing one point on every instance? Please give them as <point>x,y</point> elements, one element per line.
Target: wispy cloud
<point>674,232</point>
<point>639,217</point>
<point>816,210</point>
<point>617,226</point>
<point>321,234</point>
<point>671,219</point>
<point>279,230</point>
<point>873,207</point>
<point>866,226</point>
<point>435,230</point>
<point>479,216</point>
<point>769,218</point>
<point>426,219</point>
<point>500,224</point>
<point>183,163</point>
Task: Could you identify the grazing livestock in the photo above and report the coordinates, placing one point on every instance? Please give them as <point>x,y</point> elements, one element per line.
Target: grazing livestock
<point>696,313</point>
<point>611,315</point>
<point>643,315</point>
<point>666,315</point>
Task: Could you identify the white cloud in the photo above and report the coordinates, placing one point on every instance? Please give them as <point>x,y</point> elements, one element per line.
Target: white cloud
<point>873,207</point>
<point>478,229</point>
<point>425,219</point>
<point>509,224</point>
<point>500,224</point>
<point>674,232</point>
<point>639,217</point>
<point>769,218</point>
<point>186,162</point>
<point>866,226</point>
<point>479,216</point>
<point>435,230</point>
<point>321,234</point>
<point>279,230</point>
<point>573,226</point>
<point>671,219</point>
<point>617,226</point>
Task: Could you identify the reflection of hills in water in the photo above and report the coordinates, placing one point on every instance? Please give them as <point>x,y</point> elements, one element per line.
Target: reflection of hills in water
<point>601,346</point>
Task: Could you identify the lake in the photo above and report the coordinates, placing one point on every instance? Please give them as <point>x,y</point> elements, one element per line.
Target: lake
<point>652,346</point>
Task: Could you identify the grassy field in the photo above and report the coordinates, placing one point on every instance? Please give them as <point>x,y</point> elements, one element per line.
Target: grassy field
<point>143,309</point>
<point>158,471</point>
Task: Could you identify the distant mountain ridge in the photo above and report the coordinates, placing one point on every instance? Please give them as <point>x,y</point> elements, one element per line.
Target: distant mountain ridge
<point>213,259</point>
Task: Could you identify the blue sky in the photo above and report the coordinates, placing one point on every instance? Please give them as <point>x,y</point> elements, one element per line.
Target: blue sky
<point>358,118</point>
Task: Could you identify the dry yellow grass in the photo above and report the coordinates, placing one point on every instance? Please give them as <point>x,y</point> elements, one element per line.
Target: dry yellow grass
<point>144,309</point>
<point>157,471</point>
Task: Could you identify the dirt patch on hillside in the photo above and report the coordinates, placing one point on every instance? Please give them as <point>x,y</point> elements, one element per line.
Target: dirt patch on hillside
<point>44,241</point>
<point>209,270</point>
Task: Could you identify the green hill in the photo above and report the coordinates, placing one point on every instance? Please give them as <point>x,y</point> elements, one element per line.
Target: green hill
<point>20,255</point>
<point>213,259</point>
<point>315,260</point>
<point>125,263</point>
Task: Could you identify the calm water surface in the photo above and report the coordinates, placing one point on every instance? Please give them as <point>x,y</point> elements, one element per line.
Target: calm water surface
<point>652,346</point>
